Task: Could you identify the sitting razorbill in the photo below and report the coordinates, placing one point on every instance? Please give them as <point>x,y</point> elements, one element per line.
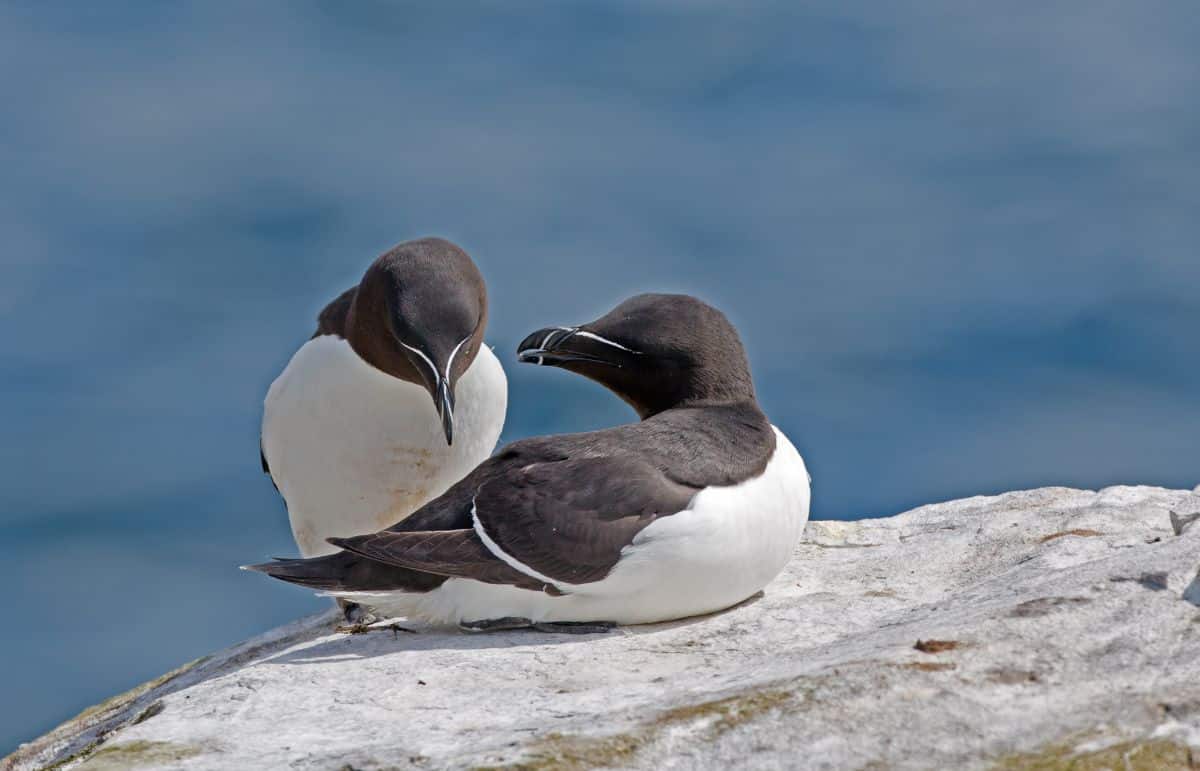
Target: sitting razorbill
<point>691,510</point>
<point>394,398</point>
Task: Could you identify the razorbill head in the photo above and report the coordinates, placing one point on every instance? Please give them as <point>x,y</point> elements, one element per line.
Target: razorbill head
<point>692,509</point>
<point>393,399</point>
<point>655,351</point>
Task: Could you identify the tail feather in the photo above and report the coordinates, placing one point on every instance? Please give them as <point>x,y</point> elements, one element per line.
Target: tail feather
<point>312,573</point>
<point>347,572</point>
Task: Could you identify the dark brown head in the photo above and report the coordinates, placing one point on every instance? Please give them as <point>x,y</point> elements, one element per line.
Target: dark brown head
<point>655,351</point>
<point>419,315</point>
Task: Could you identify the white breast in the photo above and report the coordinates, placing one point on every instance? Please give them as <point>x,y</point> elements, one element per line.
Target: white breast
<point>353,450</point>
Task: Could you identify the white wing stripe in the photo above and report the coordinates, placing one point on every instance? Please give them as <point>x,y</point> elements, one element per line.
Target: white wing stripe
<point>513,563</point>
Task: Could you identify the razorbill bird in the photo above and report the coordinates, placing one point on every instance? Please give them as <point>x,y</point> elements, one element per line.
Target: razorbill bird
<point>692,509</point>
<point>392,400</point>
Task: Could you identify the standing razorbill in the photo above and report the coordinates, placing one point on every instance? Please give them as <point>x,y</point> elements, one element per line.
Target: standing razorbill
<point>394,398</point>
<point>691,510</point>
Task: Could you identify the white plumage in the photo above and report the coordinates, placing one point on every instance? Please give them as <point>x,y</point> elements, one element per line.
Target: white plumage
<point>354,450</point>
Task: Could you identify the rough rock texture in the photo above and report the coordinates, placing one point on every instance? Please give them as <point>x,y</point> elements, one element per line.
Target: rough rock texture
<point>1046,629</point>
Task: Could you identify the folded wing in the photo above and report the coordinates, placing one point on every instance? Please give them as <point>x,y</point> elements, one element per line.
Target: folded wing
<point>539,525</point>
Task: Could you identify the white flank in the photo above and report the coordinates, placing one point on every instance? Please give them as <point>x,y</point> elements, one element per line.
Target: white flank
<point>354,450</point>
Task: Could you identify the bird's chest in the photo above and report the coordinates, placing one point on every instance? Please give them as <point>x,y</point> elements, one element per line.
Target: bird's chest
<point>351,449</point>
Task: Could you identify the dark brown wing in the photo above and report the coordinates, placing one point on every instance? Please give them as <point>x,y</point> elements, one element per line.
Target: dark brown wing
<point>266,467</point>
<point>569,521</point>
<point>440,552</point>
<point>560,522</point>
<point>332,319</point>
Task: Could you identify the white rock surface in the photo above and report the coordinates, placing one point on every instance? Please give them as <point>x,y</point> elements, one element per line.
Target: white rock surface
<point>1069,624</point>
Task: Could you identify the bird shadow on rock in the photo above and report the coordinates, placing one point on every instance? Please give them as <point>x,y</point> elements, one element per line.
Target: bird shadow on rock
<point>385,640</point>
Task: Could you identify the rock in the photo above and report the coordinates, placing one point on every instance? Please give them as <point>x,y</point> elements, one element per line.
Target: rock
<point>1181,522</point>
<point>1032,629</point>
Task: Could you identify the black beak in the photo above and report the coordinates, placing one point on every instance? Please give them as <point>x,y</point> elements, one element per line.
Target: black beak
<point>435,376</point>
<point>443,398</point>
<point>560,345</point>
